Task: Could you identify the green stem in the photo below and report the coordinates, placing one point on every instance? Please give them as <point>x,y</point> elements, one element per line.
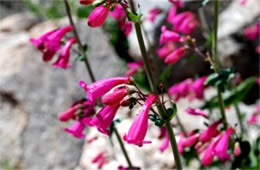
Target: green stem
<point>160,107</point>
<point>123,148</point>
<point>216,62</point>
<point>238,113</point>
<point>68,11</point>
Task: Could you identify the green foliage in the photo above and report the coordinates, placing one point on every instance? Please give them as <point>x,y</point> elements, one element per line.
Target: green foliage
<point>235,96</point>
<point>141,80</point>
<point>84,11</point>
<point>171,112</point>
<point>132,17</point>
<point>166,73</point>
<point>220,80</point>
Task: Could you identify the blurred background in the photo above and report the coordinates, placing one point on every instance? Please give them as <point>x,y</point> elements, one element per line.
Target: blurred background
<point>33,93</point>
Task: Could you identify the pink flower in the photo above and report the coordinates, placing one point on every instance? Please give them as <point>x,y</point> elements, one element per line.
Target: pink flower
<point>153,14</point>
<point>165,50</point>
<point>253,119</point>
<point>177,3</point>
<point>128,28</point>
<point>180,146</point>
<point>180,90</point>
<point>165,144</point>
<point>171,14</point>
<point>189,141</point>
<point>208,156</point>
<point>68,114</point>
<point>163,132</point>
<point>98,16</point>
<point>138,129</point>
<point>210,132</point>
<point>197,112</point>
<point>86,2</point>
<point>257,49</point>
<point>252,32</point>
<point>168,36</point>
<point>198,87</point>
<point>76,130</point>
<point>49,43</point>
<point>118,13</point>
<point>242,2</point>
<point>100,159</point>
<point>237,150</point>
<point>258,81</point>
<point>175,56</point>
<point>101,87</point>
<point>133,67</point>
<point>103,119</point>
<point>184,22</point>
<point>116,96</point>
<point>64,57</point>
<point>222,146</point>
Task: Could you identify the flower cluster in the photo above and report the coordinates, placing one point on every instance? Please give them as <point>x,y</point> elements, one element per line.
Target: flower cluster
<point>50,43</point>
<point>195,89</point>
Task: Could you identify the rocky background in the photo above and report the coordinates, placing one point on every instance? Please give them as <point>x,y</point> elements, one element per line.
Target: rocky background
<point>33,93</point>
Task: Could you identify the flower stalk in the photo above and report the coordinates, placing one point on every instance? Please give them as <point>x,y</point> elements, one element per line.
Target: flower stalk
<point>216,62</point>
<point>160,107</point>
<point>81,48</point>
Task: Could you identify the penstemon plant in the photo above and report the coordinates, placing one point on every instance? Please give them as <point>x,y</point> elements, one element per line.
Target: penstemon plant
<point>215,141</point>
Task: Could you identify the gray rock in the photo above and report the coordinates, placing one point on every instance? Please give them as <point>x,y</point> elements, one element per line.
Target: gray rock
<point>30,128</point>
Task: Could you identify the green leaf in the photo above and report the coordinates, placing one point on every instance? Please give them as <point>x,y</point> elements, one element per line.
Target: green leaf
<point>235,96</point>
<point>84,11</point>
<point>220,80</point>
<point>132,17</point>
<point>141,80</point>
<point>166,73</point>
<point>171,112</point>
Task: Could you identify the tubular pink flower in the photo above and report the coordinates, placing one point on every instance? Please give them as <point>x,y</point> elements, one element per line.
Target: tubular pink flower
<point>180,90</point>
<point>101,87</point>
<point>128,28</point>
<point>175,56</point>
<point>208,156</point>
<point>165,50</point>
<point>153,13</point>
<point>163,132</point>
<point>103,119</point>
<point>86,2</point>
<point>165,144</point>
<point>76,130</point>
<point>118,13</point>
<point>88,108</point>
<point>237,150</point>
<point>222,146</point>
<point>184,22</point>
<point>197,112</point>
<point>253,119</point>
<point>171,14</point>
<point>98,16</point>
<point>252,32</point>
<point>64,57</point>
<point>138,129</point>
<point>191,140</point>
<point>177,3</point>
<point>198,87</point>
<point>68,114</point>
<point>100,159</point>
<point>49,43</point>
<point>168,36</point>
<point>180,146</point>
<point>178,19</point>
<point>258,80</point>
<point>210,132</point>
<point>115,97</point>
<point>134,66</point>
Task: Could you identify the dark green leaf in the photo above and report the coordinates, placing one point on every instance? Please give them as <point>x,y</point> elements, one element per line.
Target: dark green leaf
<point>166,73</point>
<point>235,96</point>
<point>171,112</point>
